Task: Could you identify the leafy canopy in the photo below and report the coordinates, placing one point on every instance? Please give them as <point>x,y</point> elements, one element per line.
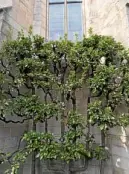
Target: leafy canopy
<point>58,69</point>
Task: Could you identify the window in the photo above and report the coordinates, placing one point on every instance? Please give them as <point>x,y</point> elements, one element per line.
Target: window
<point>56,21</point>
<point>65,16</point>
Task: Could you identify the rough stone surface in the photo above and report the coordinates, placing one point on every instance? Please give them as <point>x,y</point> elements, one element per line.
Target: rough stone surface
<point>40,16</point>
<point>5,3</point>
<point>107,17</point>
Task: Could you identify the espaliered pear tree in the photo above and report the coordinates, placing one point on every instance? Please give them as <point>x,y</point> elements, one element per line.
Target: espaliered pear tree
<point>59,69</point>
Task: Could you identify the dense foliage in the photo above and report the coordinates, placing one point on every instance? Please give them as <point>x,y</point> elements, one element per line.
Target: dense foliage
<point>97,64</point>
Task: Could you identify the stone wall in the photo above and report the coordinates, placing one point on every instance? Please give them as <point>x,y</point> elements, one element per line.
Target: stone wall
<point>40,18</point>
<point>111,17</point>
<point>14,16</point>
<point>22,11</point>
<point>21,14</point>
<point>107,17</point>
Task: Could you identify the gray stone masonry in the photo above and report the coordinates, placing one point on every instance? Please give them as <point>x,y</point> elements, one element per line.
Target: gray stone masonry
<point>107,17</point>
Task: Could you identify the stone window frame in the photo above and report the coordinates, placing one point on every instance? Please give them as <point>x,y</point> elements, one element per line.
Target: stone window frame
<point>127,15</point>
<point>65,14</point>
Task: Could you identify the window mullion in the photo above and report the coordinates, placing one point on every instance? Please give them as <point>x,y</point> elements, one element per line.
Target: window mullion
<point>65,18</point>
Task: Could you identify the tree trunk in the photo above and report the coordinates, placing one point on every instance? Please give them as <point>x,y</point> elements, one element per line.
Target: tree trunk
<point>102,163</point>
<point>88,124</point>
<point>33,166</point>
<point>46,122</point>
<point>62,116</point>
<point>34,155</point>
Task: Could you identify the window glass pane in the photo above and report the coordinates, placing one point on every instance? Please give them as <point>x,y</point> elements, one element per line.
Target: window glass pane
<point>72,35</point>
<point>56,21</point>
<point>74,20</point>
<point>56,1</point>
<point>55,35</point>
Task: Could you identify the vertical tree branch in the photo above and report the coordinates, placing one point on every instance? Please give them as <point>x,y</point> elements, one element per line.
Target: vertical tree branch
<point>63,101</point>
<point>88,124</point>
<point>90,74</point>
<point>74,109</point>
<point>46,123</point>
<point>33,167</point>
<point>62,115</point>
<point>102,163</point>
<point>73,98</point>
<point>103,145</point>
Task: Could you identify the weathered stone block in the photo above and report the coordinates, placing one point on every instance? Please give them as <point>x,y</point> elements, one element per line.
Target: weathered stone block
<point>120,151</point>
<point>120,162</point>
<point>10,142</point>
<point>5,3</point>
<point>4,132</point>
